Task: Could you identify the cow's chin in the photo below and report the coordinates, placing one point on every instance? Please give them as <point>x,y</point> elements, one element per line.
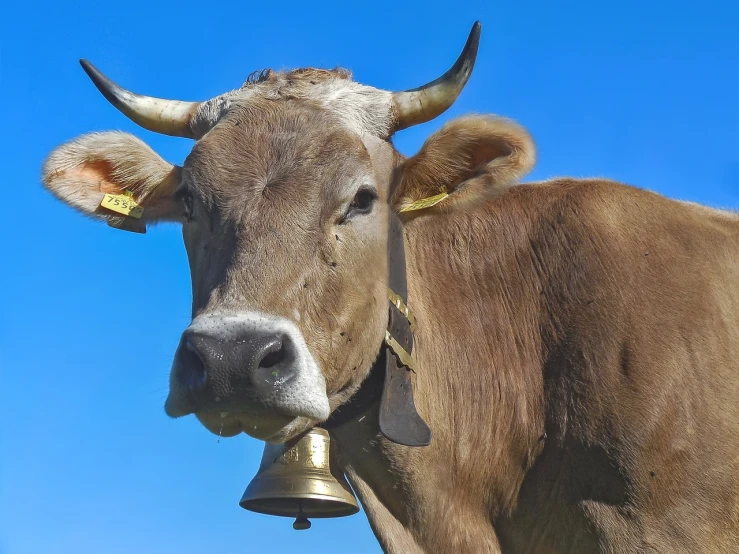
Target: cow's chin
<point>274,428</point>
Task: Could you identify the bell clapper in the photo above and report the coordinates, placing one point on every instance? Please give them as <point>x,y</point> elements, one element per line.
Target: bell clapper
<point>301,522</point>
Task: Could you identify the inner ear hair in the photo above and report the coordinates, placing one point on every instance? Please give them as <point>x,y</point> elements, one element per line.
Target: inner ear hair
<point>474,158</point>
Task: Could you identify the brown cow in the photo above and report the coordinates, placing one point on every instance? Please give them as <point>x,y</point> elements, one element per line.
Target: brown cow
<point>577,341</point>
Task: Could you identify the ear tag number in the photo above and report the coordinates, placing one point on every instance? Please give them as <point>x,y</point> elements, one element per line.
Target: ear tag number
<point>122,204</point>
<point>426,202</point>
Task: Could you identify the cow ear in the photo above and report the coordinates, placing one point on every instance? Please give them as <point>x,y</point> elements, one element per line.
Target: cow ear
<point>94,167</point>
<point>467,162</point>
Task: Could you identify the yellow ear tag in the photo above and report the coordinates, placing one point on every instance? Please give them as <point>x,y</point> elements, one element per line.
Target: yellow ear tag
<point>122,204</point>
<point>426,202</point>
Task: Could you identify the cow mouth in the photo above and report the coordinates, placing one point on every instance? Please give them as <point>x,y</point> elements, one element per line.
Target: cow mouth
<point>262,424</point>
<point>269,428</point>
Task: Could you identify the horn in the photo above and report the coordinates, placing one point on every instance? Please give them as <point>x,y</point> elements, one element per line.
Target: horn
<point>300,479</point>
<point>169,117</point>
<point>423,104</point>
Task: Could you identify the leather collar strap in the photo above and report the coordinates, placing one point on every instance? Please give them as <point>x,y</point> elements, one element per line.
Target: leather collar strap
<point>399,420</point>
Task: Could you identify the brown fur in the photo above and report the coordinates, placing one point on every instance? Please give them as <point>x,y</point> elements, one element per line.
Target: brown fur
<point>577,341</point>
<point>578,345</point>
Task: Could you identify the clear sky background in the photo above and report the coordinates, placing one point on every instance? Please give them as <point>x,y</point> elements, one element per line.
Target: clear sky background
<point>643,92</point>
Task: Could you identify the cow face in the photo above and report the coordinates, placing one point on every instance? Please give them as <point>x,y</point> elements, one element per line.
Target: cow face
<point>286,231</point>
<point>284,203</point>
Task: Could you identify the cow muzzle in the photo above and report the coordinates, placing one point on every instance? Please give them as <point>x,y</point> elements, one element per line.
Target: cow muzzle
<point>245,371</point>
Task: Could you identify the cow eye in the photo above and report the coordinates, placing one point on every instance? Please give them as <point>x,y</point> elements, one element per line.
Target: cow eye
<point>363,202</point>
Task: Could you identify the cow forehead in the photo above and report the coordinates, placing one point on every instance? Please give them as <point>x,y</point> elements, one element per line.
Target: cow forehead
<point>361,108</point>
<point>289,149</point>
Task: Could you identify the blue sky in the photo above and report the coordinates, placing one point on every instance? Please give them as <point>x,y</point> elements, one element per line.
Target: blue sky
<point>642,92</point>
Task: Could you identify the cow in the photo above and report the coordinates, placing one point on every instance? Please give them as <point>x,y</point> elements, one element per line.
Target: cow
<point>575,341</point>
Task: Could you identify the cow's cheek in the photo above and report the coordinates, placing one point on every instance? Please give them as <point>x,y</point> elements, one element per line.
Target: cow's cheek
<point>359,346</point>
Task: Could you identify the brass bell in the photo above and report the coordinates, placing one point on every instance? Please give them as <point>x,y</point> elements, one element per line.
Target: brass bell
<point>300,479</point>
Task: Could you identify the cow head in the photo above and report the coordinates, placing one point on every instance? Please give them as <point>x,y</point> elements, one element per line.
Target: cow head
<point>284,203</point>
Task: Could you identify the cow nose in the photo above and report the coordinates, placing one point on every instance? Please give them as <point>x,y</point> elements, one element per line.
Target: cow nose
<point>249,365</point>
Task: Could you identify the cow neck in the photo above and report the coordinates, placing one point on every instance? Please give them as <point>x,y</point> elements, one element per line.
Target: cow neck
<point>389,380</point>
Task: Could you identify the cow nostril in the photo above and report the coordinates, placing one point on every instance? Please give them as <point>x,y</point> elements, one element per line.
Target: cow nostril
<point>274,363</point>
<point>192,372</point>
<point>278,354</point>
